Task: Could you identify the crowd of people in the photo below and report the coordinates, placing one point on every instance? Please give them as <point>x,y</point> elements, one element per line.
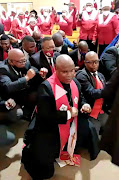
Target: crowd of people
<point>67,96</point>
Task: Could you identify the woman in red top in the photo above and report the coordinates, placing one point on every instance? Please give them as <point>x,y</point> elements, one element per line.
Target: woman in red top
<point>107,27</point>
<point>45,23</point>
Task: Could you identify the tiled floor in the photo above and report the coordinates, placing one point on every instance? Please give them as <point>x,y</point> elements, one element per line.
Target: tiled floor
<point>99,169</point>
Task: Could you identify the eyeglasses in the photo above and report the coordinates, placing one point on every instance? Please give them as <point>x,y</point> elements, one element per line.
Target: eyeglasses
<point>92,62</point>
<point>20,62</point>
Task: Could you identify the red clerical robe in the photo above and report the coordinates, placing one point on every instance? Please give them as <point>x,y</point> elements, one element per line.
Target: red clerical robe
<point>28,31</point>
<point>6,23</point>
<point>65,24</point>
<point>106,29</point>
<point>45,24</point>
<point>87,24</point>
<point>16,27</point>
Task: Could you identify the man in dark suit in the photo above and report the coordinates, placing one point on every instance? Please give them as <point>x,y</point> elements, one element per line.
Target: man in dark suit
<point>6,115</point>
<point>109,61</point>
<point>28,46</point>
<point>60,46</point>
<point>38,39</point>
<point>18,80</point>
<point>44,60</point>
<point>78,55</point>
<point>92,83</point>
<point>39,156</point>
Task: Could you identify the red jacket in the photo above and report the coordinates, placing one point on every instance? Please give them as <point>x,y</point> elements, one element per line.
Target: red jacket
<point>6,23</point>
<point>65,26</point>
<point>16,28</point>
<point>87,26</point>
<point>106,31</point>
<point>45,27</point>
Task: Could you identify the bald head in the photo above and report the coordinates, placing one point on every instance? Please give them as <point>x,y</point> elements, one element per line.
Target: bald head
<point>15,54</point>
<point>65,68</point>
<point>62,33</point>
<point>64,60</point>
<point>16,58</point>
<point>83,44</point>
<point>91,61</point>
<point>58,39</point>
<point>36,35</point>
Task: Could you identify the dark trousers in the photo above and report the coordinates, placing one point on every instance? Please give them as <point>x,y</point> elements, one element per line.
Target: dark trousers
<point>101,49</point>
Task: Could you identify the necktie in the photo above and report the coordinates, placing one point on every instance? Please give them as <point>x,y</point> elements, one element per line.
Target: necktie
<point>94,74</point>
<point>50,62</point>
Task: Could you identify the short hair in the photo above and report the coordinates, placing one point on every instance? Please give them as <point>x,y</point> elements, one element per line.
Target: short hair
<point>4,37</point>
<point>34,11</point>
<point>46,39</point>
<point>28,39</point>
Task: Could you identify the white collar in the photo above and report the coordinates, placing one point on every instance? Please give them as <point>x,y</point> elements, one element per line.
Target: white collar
<point>93,73</point>
<point>101,19</point>
<point>92,16</point>
<point>26,55</point>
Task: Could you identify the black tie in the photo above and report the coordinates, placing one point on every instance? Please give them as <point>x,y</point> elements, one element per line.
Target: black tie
<point>94,74</point>
<point>50,62</point>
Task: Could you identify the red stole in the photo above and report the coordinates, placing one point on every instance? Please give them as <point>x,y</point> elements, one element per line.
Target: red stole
<point>66,132</point>
<point>97,108</point>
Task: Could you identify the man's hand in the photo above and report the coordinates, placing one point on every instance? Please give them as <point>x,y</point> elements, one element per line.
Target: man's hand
<point>13,39</point>
<point>73,111</point>
<point>43,72</point>
<point>10,103</point>
<point>77,68</point>
<point>86,108</point>
<point>94,42</point>
<point>30,74</point>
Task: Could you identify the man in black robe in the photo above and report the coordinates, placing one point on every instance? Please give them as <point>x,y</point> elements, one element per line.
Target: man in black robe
<point>44,146</point>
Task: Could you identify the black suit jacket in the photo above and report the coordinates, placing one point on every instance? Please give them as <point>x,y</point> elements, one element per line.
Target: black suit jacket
<point>74,55</point>
<point>64,49</point>
<point>39,61</point>
<point>14,86</point>
<point>109,62</point>
<point>88,85</point>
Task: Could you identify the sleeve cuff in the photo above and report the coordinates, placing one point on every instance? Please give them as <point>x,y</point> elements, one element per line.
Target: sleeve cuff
<point>68,115</point>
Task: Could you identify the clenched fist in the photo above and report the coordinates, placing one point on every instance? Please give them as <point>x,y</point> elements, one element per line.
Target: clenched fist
<point>30,74</point>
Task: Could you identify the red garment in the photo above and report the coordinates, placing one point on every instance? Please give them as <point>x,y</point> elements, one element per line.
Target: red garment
<point>45,27</point>
<point>105,32</point>
<point>87,27</point>
<point>74,18</point>
<point>61,103</point>
<point>16,27</point>
<point>5,54</point>
<point>97,108</point>
<point>27,32</point>
<point>65,26</point>
<point>6,23</point>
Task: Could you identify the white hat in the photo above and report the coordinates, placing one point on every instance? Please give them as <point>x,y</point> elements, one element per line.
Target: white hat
<point>89,1</point>
<point>106,3</point>
<point>32,19</point>
<point>13,10</point>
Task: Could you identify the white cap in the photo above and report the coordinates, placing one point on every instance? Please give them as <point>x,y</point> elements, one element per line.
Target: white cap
<point>32,19</point>
<point>13,10</point>
<point>106,3</point>
<point>89,1</point>
<point>20,11</point>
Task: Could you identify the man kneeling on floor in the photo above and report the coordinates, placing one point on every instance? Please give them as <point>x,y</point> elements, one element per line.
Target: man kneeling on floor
<point>55,133</point>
